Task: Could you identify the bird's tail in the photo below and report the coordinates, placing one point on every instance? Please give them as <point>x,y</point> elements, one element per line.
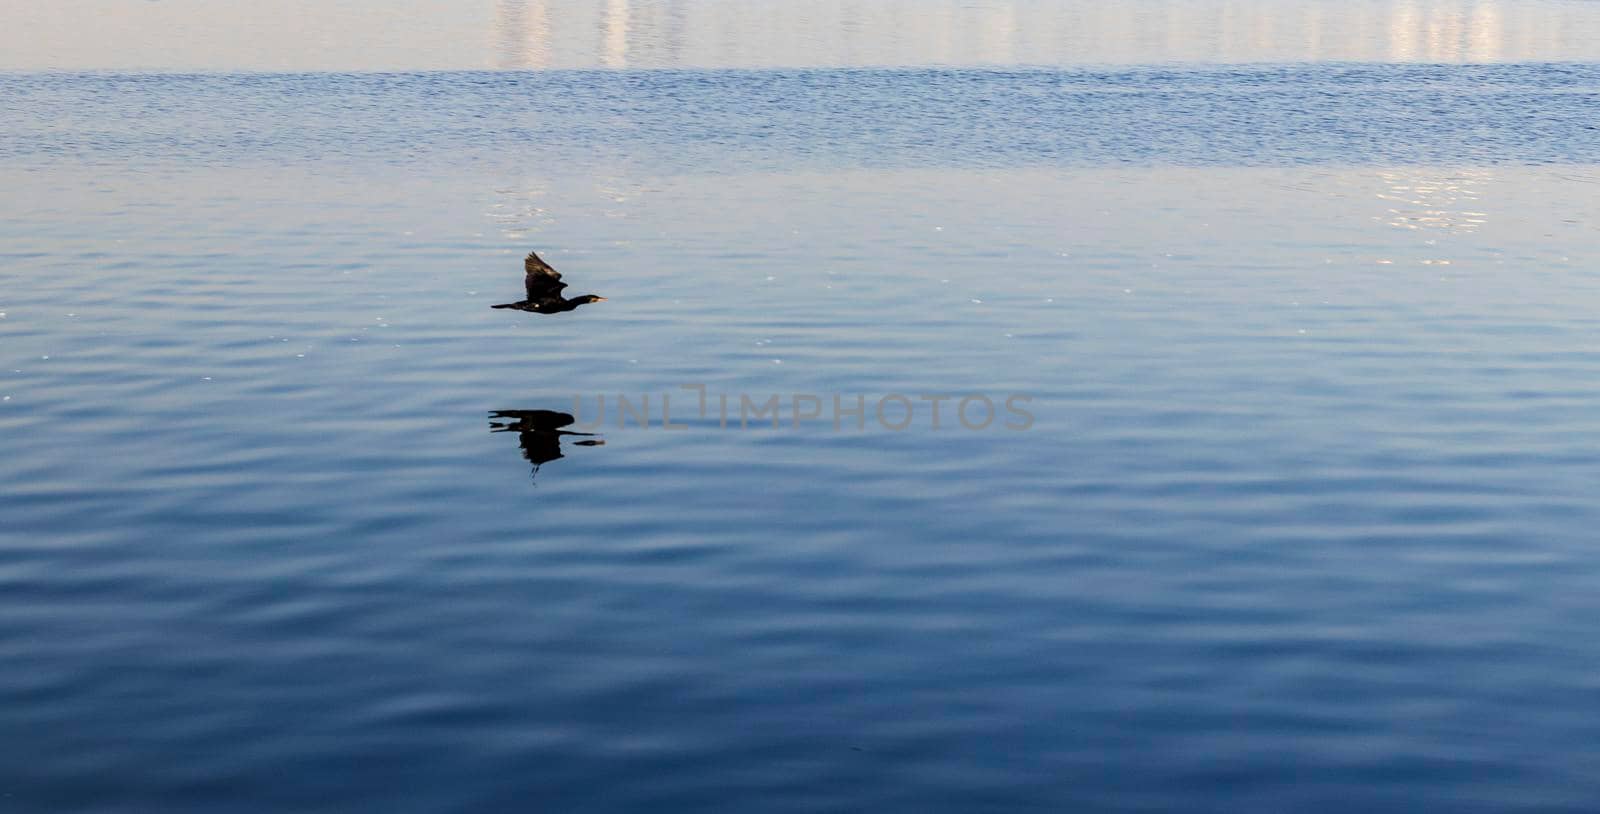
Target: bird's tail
<point>504,305</point>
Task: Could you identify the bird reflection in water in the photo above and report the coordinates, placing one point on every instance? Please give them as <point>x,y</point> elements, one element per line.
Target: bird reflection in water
<point>539,433</point>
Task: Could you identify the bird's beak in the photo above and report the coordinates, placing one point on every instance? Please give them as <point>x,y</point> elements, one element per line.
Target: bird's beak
<point>599,299</point>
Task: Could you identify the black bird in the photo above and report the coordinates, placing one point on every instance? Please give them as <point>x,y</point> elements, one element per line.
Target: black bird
<point>544,290</point>
<point>539,433</point>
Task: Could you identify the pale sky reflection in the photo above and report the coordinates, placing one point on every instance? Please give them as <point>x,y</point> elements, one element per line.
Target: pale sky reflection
<point>362,35</point>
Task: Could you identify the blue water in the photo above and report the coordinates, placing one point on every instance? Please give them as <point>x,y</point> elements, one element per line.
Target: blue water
<point>1304,521</point>
<point>732,120</point>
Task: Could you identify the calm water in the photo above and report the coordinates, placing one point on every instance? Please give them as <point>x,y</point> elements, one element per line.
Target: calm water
<point>1305,519</point>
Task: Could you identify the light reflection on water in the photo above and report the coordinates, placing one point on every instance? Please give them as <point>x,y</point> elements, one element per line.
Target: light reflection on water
<point>1436,200</point>
<point>726,33</point>
<point>299,35</point>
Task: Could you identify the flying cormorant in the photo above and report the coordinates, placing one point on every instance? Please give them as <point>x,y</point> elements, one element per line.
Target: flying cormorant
<point>544,290</point>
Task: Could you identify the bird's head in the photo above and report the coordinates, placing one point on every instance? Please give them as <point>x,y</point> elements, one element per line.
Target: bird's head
<point>588,298</point>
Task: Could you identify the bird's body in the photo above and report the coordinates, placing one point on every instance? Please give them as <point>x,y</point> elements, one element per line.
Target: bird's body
<point>554,305</point>
<point>543,287</point>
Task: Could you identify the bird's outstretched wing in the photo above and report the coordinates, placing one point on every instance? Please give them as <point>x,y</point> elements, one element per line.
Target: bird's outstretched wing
<point>541,280</point>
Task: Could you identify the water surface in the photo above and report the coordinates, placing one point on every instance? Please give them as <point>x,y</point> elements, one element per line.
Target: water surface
<point>1304,520</point>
